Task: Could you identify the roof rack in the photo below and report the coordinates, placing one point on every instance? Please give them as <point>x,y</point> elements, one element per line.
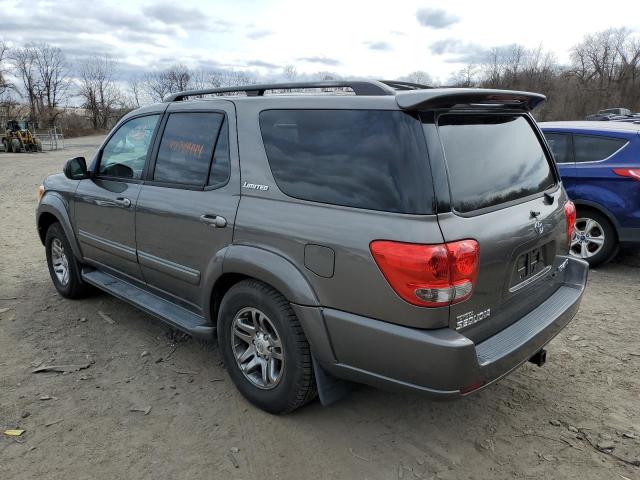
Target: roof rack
<point>359,87</point>
<point>400,85</point>
<point>409,96</point>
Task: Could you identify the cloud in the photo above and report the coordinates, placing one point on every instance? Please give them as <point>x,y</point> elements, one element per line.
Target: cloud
<point>185,17</point>
<point>457,51</point>
<point>435,18</point>
<point>260,63</point>
<point>322,60</point>
<point>379,45</point>
<point>257,34</point>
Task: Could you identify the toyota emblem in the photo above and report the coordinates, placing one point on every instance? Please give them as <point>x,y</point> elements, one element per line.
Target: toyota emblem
<point>539,227</point>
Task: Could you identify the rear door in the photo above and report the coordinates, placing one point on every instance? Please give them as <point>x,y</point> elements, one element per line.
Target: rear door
<point>187,206</point>
<point>505,194</point>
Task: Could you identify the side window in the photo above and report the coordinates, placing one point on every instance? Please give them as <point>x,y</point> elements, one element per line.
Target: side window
<point>560,144</point>
<point>221,166</point>
<point>125,153</point>
<point>592,148</point>
<point>186,148</point>
<point>373,159</point>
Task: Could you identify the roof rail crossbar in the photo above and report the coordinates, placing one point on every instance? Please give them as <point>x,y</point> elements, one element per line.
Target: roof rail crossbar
<point>402,85</point>
<point>359,87</point>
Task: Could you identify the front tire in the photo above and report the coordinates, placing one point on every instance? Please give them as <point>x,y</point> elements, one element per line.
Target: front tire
<point>264,348</point>
<point>63,267</point>
<point>594,238</point>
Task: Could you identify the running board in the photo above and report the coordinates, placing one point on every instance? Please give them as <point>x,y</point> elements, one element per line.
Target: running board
<point>166,311</point>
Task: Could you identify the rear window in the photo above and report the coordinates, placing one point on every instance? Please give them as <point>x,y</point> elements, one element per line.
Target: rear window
<point>560,144</point>
<point>492,159</point>
<point>592,148</point>
<point>356,158</point>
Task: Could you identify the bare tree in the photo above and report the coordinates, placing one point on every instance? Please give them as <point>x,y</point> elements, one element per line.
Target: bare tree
<point>99,91</point>
<point>231,78</point>
<point>25,68</point>
<point>158,85</point>
<point>4,81</point>
<point>465,77</point>
<point>135,89</point>
<point>605,66</point>
<point>53,80</point>
<point>290,73</point>
<point>199,79</point>
<point>418,76</point>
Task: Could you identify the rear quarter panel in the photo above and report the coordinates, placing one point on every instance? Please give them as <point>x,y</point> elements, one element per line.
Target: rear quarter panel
<point>284,225</point>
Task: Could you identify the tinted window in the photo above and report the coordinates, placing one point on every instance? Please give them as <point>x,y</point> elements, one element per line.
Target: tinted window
<point>492,159</point>
<point>221,166</point>
<point>356,158</point>
<point>186,148</point>
<point>590,148</point>
<point>125,153</point>
<point>560,144</point>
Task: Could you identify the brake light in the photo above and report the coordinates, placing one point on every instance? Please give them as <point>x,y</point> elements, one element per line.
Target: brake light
<point>570,214</point>
<point>429,275</point>
<point>628,172</point>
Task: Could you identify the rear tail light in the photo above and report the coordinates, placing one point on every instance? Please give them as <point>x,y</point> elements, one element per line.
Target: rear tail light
<point>570,214</point>
<point>628,172</point>
<point>429,275</point>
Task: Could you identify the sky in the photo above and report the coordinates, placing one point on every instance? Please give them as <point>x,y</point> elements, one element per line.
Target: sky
<point>357,38</point>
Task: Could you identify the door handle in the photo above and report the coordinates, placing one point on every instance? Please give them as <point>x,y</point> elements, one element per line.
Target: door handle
<point>123,202</point>
<point>215,221</point>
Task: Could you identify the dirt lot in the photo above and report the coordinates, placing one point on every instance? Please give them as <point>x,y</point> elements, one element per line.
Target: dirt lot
<point>538,423</point>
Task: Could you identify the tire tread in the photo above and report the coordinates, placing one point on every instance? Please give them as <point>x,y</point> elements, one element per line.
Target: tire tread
<point>305,388</point>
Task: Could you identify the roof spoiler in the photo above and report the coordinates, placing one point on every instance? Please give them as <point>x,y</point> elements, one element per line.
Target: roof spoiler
<point>450,97</point>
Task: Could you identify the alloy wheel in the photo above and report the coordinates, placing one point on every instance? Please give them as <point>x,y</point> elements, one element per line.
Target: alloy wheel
<point>59,261</point>
<point>588,238</point>
<point>257,348</point>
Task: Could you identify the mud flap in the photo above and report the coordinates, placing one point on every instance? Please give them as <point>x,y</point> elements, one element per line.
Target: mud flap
<point>330,388</point>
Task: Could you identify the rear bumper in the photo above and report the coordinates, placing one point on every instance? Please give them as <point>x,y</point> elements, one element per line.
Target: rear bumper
<point>444,363</point>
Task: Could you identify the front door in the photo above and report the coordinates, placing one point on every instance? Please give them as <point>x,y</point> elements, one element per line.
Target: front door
<point>105,203</point>
<point>187,206</point>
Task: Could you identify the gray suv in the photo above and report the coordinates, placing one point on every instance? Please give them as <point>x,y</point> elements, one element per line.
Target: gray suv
<point>400,236</point>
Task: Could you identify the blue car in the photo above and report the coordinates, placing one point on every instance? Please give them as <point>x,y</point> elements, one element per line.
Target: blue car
<point>599,163</point>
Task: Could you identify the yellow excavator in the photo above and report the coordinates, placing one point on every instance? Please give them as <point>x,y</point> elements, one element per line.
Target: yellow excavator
<point>18,138</point>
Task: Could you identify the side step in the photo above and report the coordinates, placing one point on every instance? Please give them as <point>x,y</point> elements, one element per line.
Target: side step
<point>166,311</point>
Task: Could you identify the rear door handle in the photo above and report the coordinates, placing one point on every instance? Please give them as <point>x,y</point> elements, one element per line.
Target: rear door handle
<point>123,202</point>
<point>215,221</point>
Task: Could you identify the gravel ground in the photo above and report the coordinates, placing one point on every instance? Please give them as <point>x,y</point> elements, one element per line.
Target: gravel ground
<point>155,404</point>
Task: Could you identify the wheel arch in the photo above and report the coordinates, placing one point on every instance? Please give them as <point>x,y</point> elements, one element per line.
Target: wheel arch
<point>602,210</point>
<point>238,262</point>
<point>53,209</point>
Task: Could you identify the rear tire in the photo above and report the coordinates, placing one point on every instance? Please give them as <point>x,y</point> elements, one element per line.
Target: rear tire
<point>5,145</point>
<point>594,237</point>
<point>256,326</point>
<point>63,267</point>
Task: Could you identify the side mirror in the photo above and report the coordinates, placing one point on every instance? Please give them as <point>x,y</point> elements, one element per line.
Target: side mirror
<point>76,169</point>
